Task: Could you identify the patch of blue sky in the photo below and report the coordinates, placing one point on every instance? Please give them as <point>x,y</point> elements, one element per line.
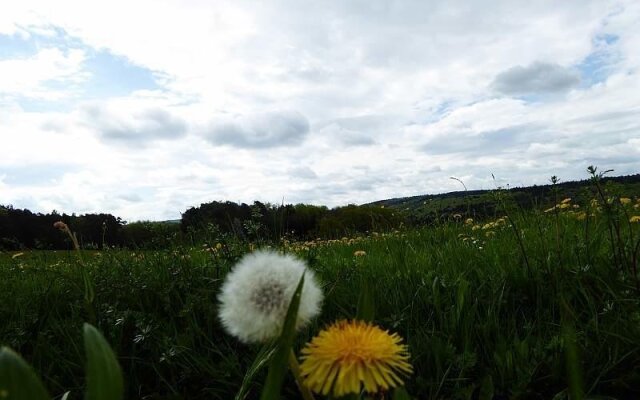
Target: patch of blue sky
<point>433,113</point>
<point>15,46</point>
<point>109,75</point>
<point>36,105</point>
<point>597,66</point>
<point>36,174</point>
<point>25,44</point>
<point>113,75</point>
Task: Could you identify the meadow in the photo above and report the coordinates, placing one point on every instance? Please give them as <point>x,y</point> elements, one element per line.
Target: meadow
<point>527,304</point>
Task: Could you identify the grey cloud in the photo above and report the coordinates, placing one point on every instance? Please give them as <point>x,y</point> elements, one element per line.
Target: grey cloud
<point>302,172</point>
<point>152,123</point>
<point>487,141</point>
<point>357,131</point>
<point>267,130</point>
<point>537,78</point>
<point>130,197</point>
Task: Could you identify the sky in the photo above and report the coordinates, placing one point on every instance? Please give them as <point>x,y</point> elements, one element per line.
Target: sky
<point>146,108</point>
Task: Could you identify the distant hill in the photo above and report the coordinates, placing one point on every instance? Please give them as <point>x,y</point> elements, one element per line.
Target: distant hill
<point>482,203</point>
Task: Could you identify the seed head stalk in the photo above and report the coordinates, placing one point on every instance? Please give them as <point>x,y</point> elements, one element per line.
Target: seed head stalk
<point>89,293</point>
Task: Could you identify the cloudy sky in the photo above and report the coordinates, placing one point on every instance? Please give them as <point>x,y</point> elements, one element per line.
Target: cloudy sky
<point>144,108</point>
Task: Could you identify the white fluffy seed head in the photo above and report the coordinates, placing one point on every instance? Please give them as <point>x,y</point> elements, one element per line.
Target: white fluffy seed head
<point>256,295</point>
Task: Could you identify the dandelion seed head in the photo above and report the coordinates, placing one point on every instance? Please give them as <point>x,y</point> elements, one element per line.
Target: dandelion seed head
<point>256,295</point>
<point>60,225</point>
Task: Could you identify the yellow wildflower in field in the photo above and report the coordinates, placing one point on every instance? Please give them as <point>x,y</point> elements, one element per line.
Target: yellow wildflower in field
<point>468,221</point>
<point>351,355</point>
<point>566,201</point>
<point>562,206</point>
<point>581,216</point>
<point>489,233</point>
<point>359,253</point>
<point>625,200</point>
<point>635,218</point>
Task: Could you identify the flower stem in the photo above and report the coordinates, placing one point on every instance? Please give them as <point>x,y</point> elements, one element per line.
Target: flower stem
<point>295,370</point>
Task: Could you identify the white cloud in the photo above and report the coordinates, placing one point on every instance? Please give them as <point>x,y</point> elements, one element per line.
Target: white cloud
<point>32,76</point>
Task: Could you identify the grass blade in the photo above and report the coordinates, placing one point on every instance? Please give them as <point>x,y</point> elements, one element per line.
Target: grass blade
<point>279,363</point>
<point>18,381</point>
<point>104,377</point>
<point>366,302</point>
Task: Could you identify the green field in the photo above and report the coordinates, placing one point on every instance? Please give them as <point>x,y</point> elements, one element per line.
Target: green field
<point>527,305</point>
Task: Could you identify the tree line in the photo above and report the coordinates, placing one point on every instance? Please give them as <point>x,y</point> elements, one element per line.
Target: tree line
<point>23,229</point>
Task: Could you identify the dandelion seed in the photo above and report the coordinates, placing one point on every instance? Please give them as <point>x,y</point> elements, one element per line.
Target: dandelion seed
<point>257,292</point>
<point>350,356</point>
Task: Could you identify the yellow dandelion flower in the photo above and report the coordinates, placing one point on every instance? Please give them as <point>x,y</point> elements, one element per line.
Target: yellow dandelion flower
<point>359,253</point>
<point>625,200</point>
<point>635,218</point>
<point>349,356</point>
<point>468,221</point>
<point>563,206</point>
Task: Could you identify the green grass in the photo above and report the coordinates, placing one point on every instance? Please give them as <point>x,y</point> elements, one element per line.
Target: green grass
<point>541,308</point>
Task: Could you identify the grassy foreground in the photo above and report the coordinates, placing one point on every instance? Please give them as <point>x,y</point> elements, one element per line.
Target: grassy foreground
<point>533,305</point>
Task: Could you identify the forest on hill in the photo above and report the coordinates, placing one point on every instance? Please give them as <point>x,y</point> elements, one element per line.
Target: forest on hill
<point>23,229</point>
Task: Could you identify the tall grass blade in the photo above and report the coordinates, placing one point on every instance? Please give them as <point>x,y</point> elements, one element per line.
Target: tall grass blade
<point>261,360</point>
<point>279,363</point>
<point>366,302</point>
<point>104,376</point>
